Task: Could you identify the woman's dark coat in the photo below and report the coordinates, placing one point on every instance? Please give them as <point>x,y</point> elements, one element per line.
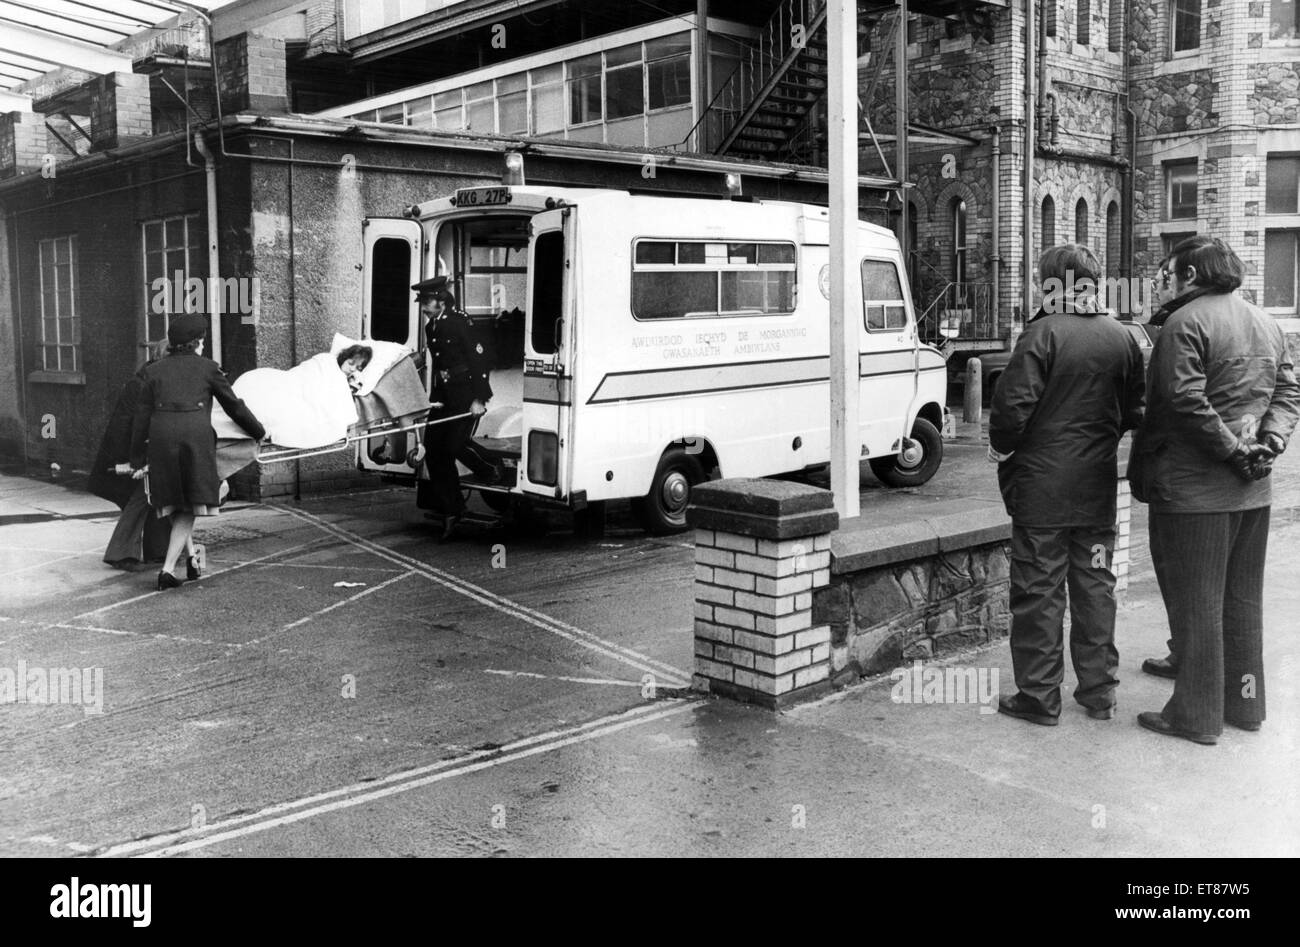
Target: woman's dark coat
<point>174,413</point>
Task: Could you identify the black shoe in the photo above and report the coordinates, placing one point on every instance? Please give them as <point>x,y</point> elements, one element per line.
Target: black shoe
<point>1103,713</point>
<point>191,570</point>
<point>1020,707</point>
<point>168,581</point>
<point>449,526</point>
<point>1154,721</point>
<point>1250,725</point>
<point>1161,667</point>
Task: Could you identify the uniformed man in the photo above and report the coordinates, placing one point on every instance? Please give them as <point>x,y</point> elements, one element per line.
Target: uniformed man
<point>458,385</point>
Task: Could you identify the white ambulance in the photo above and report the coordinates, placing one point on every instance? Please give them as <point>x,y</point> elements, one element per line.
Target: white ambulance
<point>644,344</point>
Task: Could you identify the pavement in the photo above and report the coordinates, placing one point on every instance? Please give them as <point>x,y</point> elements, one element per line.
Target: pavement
<point>340,684</point>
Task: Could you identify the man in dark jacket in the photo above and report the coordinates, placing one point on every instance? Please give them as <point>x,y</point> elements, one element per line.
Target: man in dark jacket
<point>1224,402</point>
<point>1073,385</point>
<point>459,385</point>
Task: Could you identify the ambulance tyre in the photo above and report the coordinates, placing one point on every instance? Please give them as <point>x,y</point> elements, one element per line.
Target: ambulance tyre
<point>496,502</point>
<point>663,509</point>
<point>917,463</point>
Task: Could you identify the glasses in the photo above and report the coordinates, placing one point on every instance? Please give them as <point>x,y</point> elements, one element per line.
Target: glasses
<point>1163,278</point>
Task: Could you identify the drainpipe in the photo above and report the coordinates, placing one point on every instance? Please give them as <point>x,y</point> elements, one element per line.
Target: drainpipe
<point>214,262</point>
<point>1042,72</point>
<point>1128,183</point>
<point>996,257</point>
<point>1027,151</point>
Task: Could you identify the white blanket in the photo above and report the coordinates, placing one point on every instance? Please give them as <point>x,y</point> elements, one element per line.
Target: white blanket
<point>310,405</point>
<point>383,356</point>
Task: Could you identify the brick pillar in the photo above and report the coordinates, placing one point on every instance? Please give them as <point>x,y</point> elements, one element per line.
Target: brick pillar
<point>761,548</point>
<point>120,110</point>
<point>251,74</point>
<point>22,143</point>
<point>1123,514</point>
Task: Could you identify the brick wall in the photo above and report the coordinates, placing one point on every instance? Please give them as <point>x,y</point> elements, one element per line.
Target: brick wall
<point>22,143</point>
<point>251,74</point>
<point>121,110</point>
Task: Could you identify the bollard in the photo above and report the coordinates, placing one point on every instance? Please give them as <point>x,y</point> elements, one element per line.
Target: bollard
<point>974,406</point>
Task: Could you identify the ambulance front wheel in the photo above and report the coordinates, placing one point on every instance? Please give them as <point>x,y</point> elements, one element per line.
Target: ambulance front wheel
<point>663,509</point>
<point>916,463</point>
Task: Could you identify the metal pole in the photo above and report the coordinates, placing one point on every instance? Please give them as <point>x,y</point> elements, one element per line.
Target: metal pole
<point>846,304</point>
<point>703,92</point>
<point>901,106</point>
<point>1027,152</point>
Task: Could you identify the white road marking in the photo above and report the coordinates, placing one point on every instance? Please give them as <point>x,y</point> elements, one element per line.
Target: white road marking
<point>343,797</point>
<point>42,565</point>
<point>241,565</point>
<point>558,677</point>
<point>673,677</point>
<point>340,604</point>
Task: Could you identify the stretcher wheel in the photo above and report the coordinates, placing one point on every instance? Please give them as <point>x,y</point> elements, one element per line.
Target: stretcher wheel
<point>414,456</point>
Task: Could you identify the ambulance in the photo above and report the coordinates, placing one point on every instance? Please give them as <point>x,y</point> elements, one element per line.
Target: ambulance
<point>644,344</point>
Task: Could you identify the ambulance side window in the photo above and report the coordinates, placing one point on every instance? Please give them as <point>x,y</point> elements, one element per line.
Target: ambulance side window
<point>547,307</point>
<point>390,290</point>
<point>882,297</point>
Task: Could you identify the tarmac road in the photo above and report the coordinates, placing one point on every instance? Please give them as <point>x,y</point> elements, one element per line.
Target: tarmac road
<point>339,684</point>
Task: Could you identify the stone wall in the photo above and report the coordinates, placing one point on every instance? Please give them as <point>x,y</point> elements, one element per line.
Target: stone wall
<point>915,589</point>
<point>1274,98</point>
<point>1175,102</point>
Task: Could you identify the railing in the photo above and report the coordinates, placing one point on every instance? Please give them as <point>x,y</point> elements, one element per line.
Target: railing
<point>960,311</point>
<point>750,82</point>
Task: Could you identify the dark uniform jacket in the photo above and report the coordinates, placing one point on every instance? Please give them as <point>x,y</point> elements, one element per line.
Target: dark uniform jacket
<point>1218,360</point>
<point>458,361</point>
<point>174,414</point>
<point>1073,385</point>
<point>115,448</point>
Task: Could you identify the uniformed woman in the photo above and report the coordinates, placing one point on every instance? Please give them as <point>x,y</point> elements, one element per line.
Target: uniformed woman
<point>459,384</point>
<point>173,433</point>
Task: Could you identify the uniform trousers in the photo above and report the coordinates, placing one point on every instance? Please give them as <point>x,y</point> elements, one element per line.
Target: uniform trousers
<point>442,443</point>
<point>1044,562</point>
<point>1210,567</point>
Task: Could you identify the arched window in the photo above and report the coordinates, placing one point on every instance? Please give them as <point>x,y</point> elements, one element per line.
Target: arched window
<point>1112,239</point>
<point>1049,223</point>
<point>958,240</point>
<point>1081,222</point>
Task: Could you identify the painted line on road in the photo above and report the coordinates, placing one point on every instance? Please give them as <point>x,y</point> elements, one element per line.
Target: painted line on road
<point>559,677</point>
<point>42,565</point>
<point>211,575</point>
<point>674,677</point>
<point>339,604</point>
<point>344,797</point>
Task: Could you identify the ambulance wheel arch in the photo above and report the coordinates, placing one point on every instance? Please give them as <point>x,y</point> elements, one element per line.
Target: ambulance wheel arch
<point>683,465</point>
<point>921,455</point>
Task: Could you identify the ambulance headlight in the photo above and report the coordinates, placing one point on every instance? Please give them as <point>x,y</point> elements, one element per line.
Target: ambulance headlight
<point>543,457</point>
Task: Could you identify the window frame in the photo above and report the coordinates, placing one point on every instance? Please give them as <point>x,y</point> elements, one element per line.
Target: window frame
<point>1293,309</point>
<point>1170,168</point>
<point>960,240</point>
<point>718,269</point>
<point>191,250</point>
<point>886,304</point>
<point>1295,27</point>
<point>1173,10</point>
<point>58,344</point>
<point>1273,159</point>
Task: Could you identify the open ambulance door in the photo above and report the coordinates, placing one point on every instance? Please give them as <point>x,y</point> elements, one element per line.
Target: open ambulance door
<point>545,467</point>
<point>393,262</point>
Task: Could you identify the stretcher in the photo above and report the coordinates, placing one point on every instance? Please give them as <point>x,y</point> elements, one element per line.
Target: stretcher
<point>396,406</point>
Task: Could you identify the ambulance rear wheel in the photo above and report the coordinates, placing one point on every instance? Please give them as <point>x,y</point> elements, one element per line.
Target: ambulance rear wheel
<point>496,502</point>
<point>663,509</point>
<point>916,463</point>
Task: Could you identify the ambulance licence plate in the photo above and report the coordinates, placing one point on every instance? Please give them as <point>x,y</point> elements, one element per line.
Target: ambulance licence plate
<point>482,196</point>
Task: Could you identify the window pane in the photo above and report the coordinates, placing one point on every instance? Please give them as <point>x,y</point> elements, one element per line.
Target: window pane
<point>419,112</point>
<point>758,291</point>
<point>390,275</point>
<point>1284,19</point>
<point>673,295</point>
<point>49,330</point>
<point>895,317</point>
<point>623,92</point>
<point>175,264</point>
<point>880,281</point>
<point>512,113</point>
<point>584,91</point>
<point>393,114</point>
<point>775,253</point>
<point>1282,191</point>
<point>546,74</point>
<point>1280,269</point>
<point>482,118</point>
<point>1186,24</point>
<point>152,236</point>
<point>176,232</point>
<point>654,251</point>
<point>1182,191</point>
<point>548,108</point>
<point>690,253</point>
<point>479,90</point>
<point>742,253</point>
<point>586,66</point>
<point>623,56</point>
<point>449,119</point>
<point>516,83</point>
<point>670,82</point>
<point>677,45</point>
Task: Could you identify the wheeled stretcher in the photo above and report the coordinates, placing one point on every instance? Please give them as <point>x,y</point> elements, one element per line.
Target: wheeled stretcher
<point>396,406</point>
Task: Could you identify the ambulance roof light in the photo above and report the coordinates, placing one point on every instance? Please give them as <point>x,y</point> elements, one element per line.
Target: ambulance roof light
<point>514,173</point>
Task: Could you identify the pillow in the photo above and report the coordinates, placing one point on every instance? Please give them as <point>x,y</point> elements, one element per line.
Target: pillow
<point>384,356</point>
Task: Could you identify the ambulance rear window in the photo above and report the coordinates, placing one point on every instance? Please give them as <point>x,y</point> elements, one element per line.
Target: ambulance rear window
<point>687,279</point>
